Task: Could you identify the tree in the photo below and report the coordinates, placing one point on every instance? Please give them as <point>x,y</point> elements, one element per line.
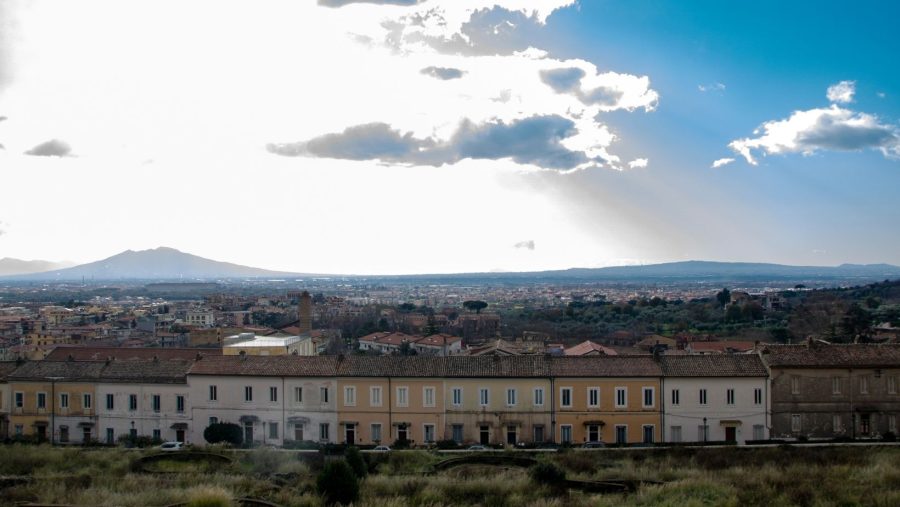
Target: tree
<point>337,483</point>
<point>474,305</point>
<point>224,432</point>
<point>356,461</point>
<point>723,297</point>
<point>406,307</point>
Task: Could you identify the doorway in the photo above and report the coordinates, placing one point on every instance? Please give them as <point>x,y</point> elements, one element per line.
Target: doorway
<point>730,434</point>
<point>248,433</point>
<point>484,433</point>
<point>350,433</point>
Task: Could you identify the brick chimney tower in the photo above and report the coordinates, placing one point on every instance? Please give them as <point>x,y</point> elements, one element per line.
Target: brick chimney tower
<point>305,313</point>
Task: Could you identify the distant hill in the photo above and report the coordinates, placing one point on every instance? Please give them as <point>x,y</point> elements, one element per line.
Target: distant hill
<point>690,271</point>
<point>10,266</point>
<point>156,264</point>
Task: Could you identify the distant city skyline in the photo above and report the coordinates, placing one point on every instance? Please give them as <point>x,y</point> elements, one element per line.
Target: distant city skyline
<point>389,137</point>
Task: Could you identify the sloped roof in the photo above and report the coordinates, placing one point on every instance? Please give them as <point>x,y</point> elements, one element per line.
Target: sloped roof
<point>496,366</point>
<point>170,371</point>
<point>715,365</point>
<point>266,366</point>
<point>588,347</point>
<point>822,355</point>
<point>390,366</point>
<point>67,371</point>
<point>6,367</point>
<point>62,353</point>
<point>605,366</point>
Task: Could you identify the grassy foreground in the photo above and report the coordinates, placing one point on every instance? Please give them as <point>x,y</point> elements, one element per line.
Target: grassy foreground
<point>775,476</point>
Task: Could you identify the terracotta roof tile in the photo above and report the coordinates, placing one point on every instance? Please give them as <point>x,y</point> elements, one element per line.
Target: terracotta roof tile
<point>69,371</point>
<point>62,353</point>
<point>716,365</point>
<point>605,366</point>
<point>266,366</point>
<point>820,354</point>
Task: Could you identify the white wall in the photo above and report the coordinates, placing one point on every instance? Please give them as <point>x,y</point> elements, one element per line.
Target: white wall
<point>144,418</point>
<point>689,413</point>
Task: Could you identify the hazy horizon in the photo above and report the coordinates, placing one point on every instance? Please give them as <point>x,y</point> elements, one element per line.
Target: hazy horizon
<point>387,137</point>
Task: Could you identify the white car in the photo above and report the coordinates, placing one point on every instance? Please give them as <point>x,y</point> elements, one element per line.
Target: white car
<point>171,446</point>
<point>381,448</point>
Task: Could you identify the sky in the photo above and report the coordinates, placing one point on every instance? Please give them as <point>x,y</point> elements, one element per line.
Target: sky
<point>396,136</point>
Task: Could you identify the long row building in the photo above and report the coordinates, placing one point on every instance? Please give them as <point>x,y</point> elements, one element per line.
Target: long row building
<point>814,390</point>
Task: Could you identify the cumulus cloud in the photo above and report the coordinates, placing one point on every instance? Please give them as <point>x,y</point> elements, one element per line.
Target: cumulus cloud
<point>832,128</point>
<point>842,92</point>
<point>341,3</point>
<point>714,87</point>
<point>525,244</point>
<point>609,90</point>
<point>444,73</point>
<point>638,162</point>
<point>535,140</point>
<point>721,162</point>
<point>51,148</point>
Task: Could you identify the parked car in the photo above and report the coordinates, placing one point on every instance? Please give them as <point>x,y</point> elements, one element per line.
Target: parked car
<point>381,448</point>
<point>477,447</point>
<point>171,446</point>
<point>593,445</point>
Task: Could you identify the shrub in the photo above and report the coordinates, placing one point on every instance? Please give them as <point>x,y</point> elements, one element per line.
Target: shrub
<point>337,483</point>
<point>447,444</point>
<point>224,432</point>
<point>889,436</point>
<point>401,443</point>
<point>138,441</point>
<point>356,462</point>
<point>547,473</point>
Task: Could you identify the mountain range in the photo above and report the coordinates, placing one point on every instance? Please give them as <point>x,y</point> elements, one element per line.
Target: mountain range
<point>170,264</point>
<point>10,266</point>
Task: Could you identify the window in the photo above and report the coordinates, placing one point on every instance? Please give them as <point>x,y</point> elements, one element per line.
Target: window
<point>323,394</point>
<point>20,430</point>
<point>863,385</point>
<point>298,395</point>
<point>836,423</point>
<point>132,402</point>
<point>63,433</point>
<point>157,435</point>
<point>892,385</point>
<point>110,401</point>
<point>835,385</point>
<point>213,420</point>
<point>703,396</point>
<point>64,400</point>
<point>729,396</point>
<point>538,433</point>
<point>273,430</point>
<point>179,404</point>
<point>457,432</point>
<point>402,396</point>
<point>757,396</point>
<point>483,397</point>
<point>349,396</point>
<point>110,436</point>
<point>323,431</point>
<point>621,397</point>
<point>213,393</point>
<point>703,433</point>
<point>593,396</point>
<point>621,434</point>
<point>375,396</point>
<point>273,394</point>
<point>41,401</point>
<point>892,423</point>
<point>648,396</point>
<point>795,423</point>
<point>456,396</point>
<point>86,401</point>
<point>510,397</point>
<point>428,396</point>
<point>649,433</point>
<point>593,432</point>
<point>565,433</point>
<point>795,385</point>
<point>155,402</point>
<point>376,432</point>
<point>248,393</point>
<point>565,397</point>
<point>676,397</point>
<point>759,432</point>
<point>429,432</point>
<point>675,434</point>
<point>20,400</point>
<point>539,397</point>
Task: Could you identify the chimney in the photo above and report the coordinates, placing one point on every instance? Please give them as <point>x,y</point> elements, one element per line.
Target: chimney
<point>305,313</point>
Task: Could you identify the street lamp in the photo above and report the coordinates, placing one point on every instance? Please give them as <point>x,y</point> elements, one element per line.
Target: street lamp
<point>53,381</point>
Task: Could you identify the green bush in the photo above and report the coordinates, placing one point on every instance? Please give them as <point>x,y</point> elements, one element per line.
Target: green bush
<point>447,444</point>
<point>356,462</point>
<point>337,483</point>
<point>224,432</point>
